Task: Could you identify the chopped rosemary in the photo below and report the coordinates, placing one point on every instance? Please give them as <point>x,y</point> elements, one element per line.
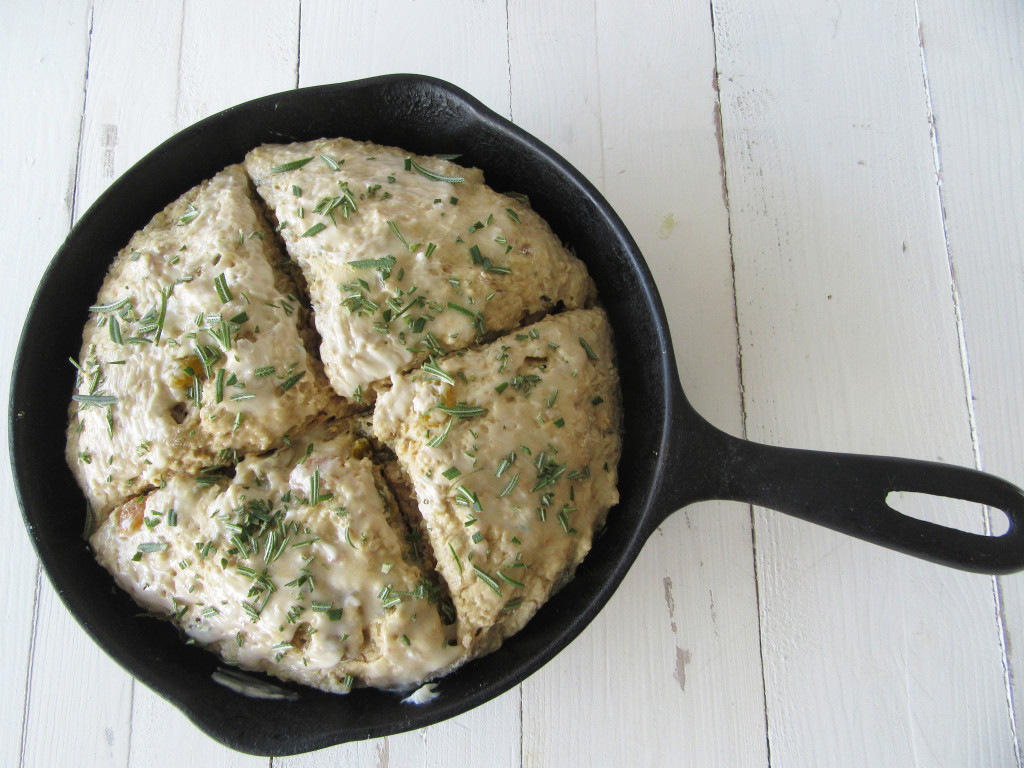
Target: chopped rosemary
<point>387,596</point>
<point>345,201</point>
<point>294,165</point>
<point>190,214</point>
<point>434,371</point>
<point>412,247</point>
<point>315,497</point>
<point>512,604</point>
<point>590,352</point>
<point>505,463</point>
<point>468,498</point>
<point>461,409</point>
<point>485,263</point>
<point>458,562</point>
<point>94,399</point>
<point>431,344</point>
<point>511,484</point>
<point>563,519</point>
<point>511,581</point>
<point>315,229</point>
<point>165,294</point>
<point>223,292</point>
<point>112,307</point>
<point>487,579</point>
<point>207,356</point>
<point>461,309</point>
<point>383,265</point>
<point>440,438</point>
<point>291,381</point>
<point>411,164</point>
<point>548,472</point>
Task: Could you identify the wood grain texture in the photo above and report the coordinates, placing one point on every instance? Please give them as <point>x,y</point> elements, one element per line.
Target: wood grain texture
<point>131,92</point>
<point>216,36</point>
<point>44,87</point>
<point>464,42</point>
<point>849,340</point>
<point>975,65</point>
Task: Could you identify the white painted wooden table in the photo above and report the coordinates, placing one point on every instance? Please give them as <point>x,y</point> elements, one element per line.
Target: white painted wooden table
<point>831,197</point>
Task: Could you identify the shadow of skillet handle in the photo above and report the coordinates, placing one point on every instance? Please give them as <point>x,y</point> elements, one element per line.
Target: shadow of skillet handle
<point>844,492</point>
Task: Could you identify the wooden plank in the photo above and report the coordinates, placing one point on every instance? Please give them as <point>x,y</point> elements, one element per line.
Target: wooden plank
<point>464,42</point>
<point>351,41</point>
<point>218,37</point>
<point>43,90</point>
<point>131,101</point>
<point>162,736</point>
<point>74,682</point>
<point>487,735</point>
<point>683,627</point>
<point>40,58</point>
<point>849,341</point>
<point>975,67</point>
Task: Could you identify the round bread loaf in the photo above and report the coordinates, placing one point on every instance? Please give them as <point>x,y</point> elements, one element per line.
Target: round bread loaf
<point>345,415</point>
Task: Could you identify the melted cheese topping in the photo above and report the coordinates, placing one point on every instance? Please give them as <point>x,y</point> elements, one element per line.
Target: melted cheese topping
<point>512,449</point>
<point>401,264</point>
<point>194,349</point>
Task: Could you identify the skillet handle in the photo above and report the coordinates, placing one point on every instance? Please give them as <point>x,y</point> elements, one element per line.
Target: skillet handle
<point>847,493</point>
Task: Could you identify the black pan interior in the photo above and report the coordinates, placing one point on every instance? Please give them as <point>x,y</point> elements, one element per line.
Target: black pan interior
<point>426,116</point>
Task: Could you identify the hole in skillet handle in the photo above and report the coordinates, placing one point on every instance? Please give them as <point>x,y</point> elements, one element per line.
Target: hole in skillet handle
<point>851,493</point>
<point>950,512</point>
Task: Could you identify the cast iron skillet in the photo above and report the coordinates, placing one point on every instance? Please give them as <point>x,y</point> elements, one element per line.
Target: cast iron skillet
<point>671,456</point>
